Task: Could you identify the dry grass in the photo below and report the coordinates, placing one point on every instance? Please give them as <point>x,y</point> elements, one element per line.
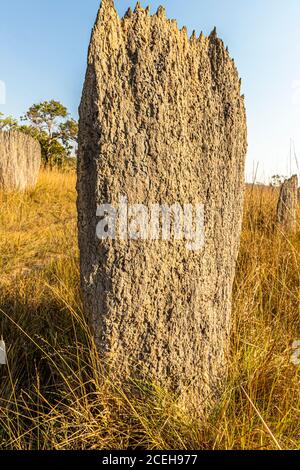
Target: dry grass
<point>53,394</point>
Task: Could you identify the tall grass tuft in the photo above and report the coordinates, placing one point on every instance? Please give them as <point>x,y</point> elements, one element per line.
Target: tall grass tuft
<point>54,393</point>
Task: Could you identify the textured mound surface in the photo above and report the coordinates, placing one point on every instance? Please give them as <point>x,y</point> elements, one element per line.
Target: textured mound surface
<point>161,121</point>
<point>20,160</point>
<point>287,204</point>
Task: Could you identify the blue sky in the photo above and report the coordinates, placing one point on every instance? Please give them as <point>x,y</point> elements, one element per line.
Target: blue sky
<point>43,47</point>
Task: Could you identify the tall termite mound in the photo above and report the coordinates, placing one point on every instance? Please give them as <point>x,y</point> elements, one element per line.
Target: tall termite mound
<point>162,121</point>
<point>287,204</point>
<point>20,160</point>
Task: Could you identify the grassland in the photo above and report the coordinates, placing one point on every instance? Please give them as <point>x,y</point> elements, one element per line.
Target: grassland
<point>53,394</point>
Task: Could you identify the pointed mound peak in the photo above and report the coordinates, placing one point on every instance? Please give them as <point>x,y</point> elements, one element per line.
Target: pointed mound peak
<point>193,36</point>
<point>161,12</point>
<point>106,10</point>
<point>138,7</point>
<point>106,31</point>
<point>213,34</point>
<point>128,13</point>
<point>184,30</point>
<point>107,4</point>
<point>201,37</point>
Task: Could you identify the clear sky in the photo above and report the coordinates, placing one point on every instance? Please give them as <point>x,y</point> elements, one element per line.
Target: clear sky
<point>43,48</point>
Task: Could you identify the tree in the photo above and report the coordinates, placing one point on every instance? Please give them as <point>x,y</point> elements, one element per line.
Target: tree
<point>53,152</point>
<point>8,123</point>
<point>49,123</point>
<point>69,133</point>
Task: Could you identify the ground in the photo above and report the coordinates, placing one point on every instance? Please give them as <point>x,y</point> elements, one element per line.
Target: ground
<point>53,393</point>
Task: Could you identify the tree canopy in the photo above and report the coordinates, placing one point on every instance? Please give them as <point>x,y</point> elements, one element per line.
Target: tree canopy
<point>8,123</point>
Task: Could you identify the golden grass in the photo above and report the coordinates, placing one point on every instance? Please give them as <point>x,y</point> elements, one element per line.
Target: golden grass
<point>53,394</point>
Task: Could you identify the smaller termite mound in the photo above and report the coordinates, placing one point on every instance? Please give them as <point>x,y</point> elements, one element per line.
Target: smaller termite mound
<point>20,161</point>
<point>287,204</point>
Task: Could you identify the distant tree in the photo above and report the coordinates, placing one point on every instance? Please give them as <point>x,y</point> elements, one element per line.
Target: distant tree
<point>69,133</point>
<point>49,123</point>
<point>53,152</point>
<point>8,123</point>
